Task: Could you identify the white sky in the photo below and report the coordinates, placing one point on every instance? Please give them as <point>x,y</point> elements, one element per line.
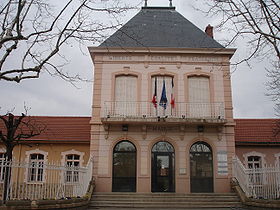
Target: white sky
<point>55,97</point>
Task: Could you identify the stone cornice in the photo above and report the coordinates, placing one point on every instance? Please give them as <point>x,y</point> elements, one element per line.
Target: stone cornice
<point>159,50</point>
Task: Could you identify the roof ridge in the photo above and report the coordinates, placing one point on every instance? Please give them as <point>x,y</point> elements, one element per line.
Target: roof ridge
<point>159,7</point>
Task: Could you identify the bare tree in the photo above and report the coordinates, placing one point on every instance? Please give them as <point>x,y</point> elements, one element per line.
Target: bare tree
<point>15,130</point>
<point>257,21</point>
<point>34,31</point>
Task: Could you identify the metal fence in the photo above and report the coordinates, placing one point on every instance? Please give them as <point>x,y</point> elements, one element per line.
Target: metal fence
<point>259,183</point>
<point>44,180</point>
<point>147,109</point>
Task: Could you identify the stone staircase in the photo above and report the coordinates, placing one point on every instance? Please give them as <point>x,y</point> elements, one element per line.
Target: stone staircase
<point>165,201</point>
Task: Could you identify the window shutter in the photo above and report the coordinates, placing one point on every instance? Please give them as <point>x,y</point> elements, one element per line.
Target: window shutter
<point>199,97</point>
<point>199,91</point>
<point>125,95</point>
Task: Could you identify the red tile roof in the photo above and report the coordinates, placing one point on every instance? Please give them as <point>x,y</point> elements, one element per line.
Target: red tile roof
<point>62,129</point>
<point>257,131</point>
<point>77,129</point>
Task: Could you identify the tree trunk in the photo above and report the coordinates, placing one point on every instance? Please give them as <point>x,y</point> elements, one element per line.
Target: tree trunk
<point>7,171</point>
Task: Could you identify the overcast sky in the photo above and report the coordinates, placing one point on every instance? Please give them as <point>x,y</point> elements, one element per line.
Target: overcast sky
<point>53,96</point>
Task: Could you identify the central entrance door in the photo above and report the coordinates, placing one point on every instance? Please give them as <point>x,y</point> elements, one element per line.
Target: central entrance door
<point>163,167</point>
<point>201,164</point>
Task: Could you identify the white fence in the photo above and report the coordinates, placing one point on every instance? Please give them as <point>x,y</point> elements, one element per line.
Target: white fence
<point>259,183</point>
<point>44,181</point>
<point>147,109</point>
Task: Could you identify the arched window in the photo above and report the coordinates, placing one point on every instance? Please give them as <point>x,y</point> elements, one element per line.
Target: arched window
<point>163,165</point>
<point>201,167</point>
<point>163,146</point>
<point>124,167</point>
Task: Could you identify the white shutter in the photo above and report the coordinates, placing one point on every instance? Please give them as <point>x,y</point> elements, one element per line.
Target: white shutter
<point>120,88</point>
<point>199,97</point>
<point>131,95</point>
<point>125,95</point>
<point>199,91</point>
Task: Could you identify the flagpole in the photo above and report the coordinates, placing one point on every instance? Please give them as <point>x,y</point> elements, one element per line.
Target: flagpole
<point>164,107</point>
<point>171,95</point>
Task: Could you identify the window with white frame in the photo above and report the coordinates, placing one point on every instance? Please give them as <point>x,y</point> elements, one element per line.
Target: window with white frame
<point>36,167</point>
<point>72,163</point>
<point>277,159</point>
<point>254,162</point>
<point>2,166</point>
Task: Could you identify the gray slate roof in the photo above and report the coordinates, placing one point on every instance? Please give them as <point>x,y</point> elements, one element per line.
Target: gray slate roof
<point>160,27</point>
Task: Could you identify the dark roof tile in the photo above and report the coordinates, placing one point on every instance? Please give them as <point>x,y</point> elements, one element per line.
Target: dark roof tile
<point>160,27</point>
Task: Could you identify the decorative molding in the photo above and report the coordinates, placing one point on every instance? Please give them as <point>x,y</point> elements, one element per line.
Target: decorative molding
<point>144,131</point>
<point>277,159</point>
<point>254,153</point>
<point>182,131</point>
<point>220,132</point>
<point>179,65</point>
<point>63,160</point>
<point>106,129</point>
<point>72,152</point>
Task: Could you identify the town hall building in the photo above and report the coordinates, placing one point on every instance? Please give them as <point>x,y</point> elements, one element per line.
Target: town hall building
<point>162,121</point>
<point>162,118</point>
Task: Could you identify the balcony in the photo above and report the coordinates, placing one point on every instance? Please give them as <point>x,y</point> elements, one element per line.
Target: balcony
<point>145,112</point>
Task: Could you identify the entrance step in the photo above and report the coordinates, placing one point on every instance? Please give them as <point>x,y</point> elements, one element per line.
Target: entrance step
<point>164,201</point>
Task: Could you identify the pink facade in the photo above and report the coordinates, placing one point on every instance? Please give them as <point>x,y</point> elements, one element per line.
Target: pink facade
<point>141,146</point>
<point>258,142</point>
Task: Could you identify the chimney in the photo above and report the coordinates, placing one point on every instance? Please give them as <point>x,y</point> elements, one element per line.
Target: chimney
<point>209,30</point>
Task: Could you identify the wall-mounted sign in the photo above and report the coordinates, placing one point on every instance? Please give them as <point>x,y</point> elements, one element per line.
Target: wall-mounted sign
<point>222,163</point>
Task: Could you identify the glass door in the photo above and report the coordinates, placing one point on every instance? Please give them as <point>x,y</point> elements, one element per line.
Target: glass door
<point>201,164</point>
<point>163,173</point>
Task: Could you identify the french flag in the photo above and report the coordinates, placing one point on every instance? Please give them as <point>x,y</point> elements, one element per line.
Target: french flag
<point>172,102</point>
<point>163,99</point>
<point>154,100</point>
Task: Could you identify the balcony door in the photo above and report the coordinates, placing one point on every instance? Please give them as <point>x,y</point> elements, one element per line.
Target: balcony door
<point>161,84</point>
<point>198,97</point>
<point>125,96</point>
<point>201,163</point>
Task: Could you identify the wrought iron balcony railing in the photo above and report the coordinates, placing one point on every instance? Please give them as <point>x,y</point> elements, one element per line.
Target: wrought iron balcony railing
<point>128,109</point>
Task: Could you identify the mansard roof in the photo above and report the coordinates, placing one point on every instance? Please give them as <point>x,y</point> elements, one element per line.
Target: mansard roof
<point>160,27</point>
